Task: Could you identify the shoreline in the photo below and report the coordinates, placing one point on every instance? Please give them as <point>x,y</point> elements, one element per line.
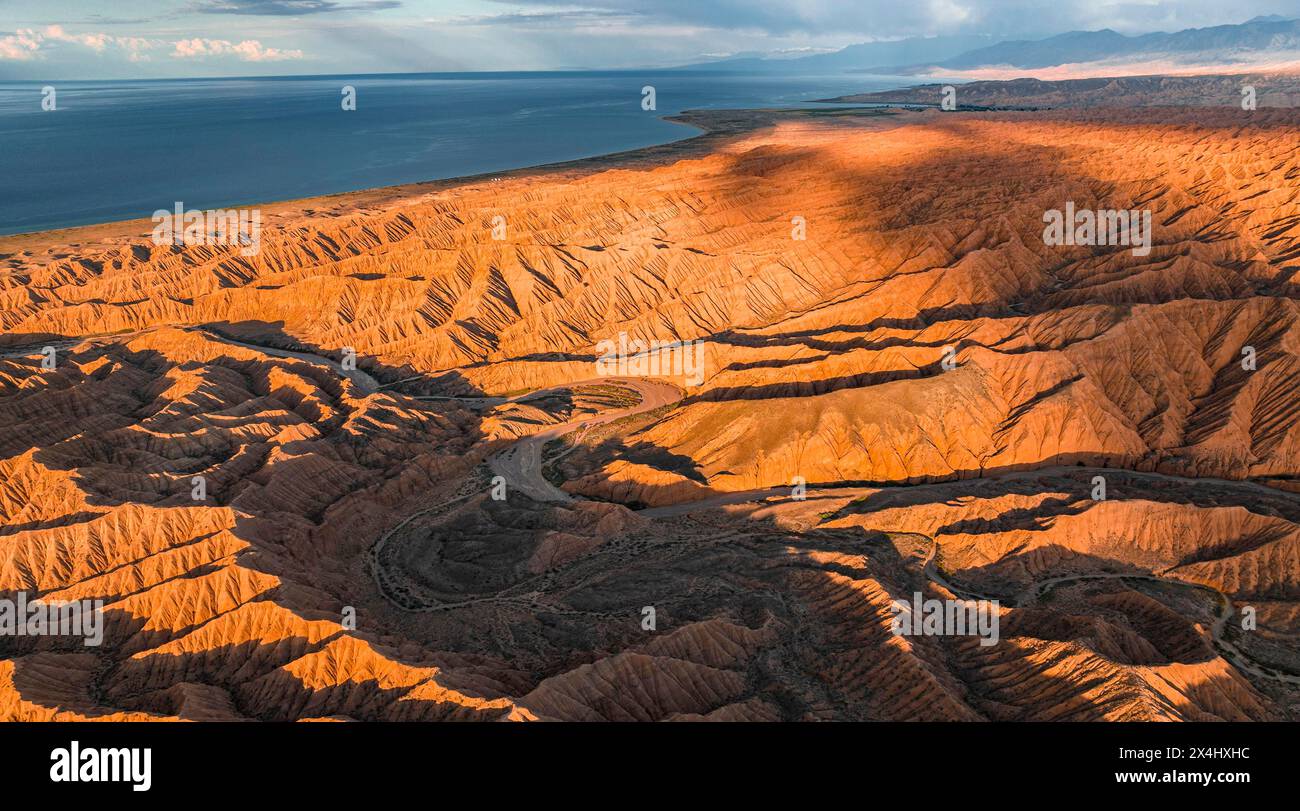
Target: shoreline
<point>713,127</point>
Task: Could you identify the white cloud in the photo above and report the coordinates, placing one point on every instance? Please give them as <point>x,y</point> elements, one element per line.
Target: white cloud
<point>96,42</point>
<point>28,43</point>
<point>22,45</point>
<point>948,12</point>
<point>250,50</point>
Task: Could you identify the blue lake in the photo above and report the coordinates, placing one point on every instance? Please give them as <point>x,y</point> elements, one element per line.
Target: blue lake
<point>119,149</point>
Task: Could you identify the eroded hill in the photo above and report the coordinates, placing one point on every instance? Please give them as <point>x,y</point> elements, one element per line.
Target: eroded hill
<point>876,314</point>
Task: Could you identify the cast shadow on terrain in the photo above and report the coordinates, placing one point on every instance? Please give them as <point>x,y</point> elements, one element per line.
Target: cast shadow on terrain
<point>137,445</point>
<point>849,626</point>
<point>596,609</point>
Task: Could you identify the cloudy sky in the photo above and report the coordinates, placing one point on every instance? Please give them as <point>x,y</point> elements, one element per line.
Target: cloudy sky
<point>81,39</point>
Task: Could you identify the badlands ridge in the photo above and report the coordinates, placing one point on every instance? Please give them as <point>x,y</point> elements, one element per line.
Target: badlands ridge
<point>348,559</point>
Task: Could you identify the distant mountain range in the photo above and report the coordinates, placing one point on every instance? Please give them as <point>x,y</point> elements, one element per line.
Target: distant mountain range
<point>1116,91</point>
<point>912,51</point>
<point>1219,43</point>
<point>1251,41</point>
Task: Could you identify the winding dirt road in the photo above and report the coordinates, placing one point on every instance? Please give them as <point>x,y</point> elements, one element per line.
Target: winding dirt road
<point>1218,630</point>
<point>521,467</point>
<point>1036,590</point>
<point>521,464</point>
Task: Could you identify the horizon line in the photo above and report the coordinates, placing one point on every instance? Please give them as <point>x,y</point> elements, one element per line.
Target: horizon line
<point>676,69</point>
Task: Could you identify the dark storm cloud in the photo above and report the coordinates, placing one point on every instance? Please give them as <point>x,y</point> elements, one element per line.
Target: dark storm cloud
<point>921,17</point>
<point>549,18</point>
